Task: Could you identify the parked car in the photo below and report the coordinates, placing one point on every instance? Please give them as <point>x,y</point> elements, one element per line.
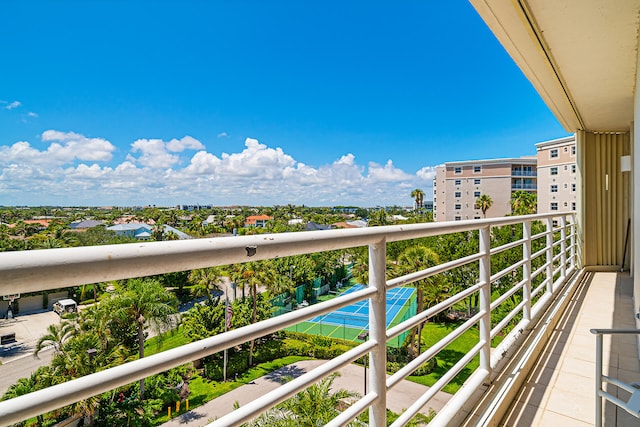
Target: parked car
<point>65,306</point>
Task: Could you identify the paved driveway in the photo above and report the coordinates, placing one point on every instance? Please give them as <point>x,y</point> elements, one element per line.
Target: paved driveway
<point>351,378</point>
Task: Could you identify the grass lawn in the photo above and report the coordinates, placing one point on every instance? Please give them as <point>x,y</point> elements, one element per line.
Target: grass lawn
<point>168,341</point>
<point>203,390</point>
<point>449,356</point>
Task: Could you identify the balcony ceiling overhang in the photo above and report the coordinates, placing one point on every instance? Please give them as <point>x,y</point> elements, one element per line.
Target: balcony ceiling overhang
<point>580,55</point>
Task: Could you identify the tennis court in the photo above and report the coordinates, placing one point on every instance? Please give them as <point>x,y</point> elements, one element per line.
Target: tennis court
<point>351,321</point>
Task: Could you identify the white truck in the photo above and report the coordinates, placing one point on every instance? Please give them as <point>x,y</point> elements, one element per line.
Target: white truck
<point>65,306</point>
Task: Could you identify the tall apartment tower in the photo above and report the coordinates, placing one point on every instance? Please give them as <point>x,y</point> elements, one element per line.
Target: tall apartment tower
<point>557,175</point>
<point>457,185</point>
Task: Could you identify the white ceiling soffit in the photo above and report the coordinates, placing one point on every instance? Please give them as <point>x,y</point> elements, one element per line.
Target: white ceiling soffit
<point>580,55</point>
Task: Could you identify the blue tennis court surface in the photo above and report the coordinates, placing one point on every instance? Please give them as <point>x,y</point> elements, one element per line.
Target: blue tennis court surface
<point>357,315</point>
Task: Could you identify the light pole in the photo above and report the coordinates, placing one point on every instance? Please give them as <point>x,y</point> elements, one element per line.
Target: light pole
<point>363,336</point>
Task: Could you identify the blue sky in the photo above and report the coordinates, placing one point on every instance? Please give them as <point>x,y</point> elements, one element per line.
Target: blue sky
<point>252,102</point>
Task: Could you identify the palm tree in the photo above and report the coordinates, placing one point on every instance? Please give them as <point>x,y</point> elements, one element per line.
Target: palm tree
<point>523,203</point>
<point>484,202</point>
<point>205,280</point>
<point>144,302</point>
<point>315,406</point>
<point>413,259</point>
<point>57,334</point>
<point>418,195</point>
<point>252,274</point>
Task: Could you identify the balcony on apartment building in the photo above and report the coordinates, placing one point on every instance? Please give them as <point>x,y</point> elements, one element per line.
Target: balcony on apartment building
<point>524,186</point>
<point>542,320</point>
<point>520,172</point>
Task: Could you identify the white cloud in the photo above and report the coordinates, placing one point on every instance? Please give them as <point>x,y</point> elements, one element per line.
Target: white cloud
<point>72,170</point>
<point>32,114</point>
<point>70,146</point>
<point>154,154</point>
<point>427,173</point>
<point>187,142</point>
<point>387,172</point>
<point>223,135</point>
<point>12,105</point>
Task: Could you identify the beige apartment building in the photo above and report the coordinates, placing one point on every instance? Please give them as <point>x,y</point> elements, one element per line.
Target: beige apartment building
<point>551,174</point>
<point>557,175</point>
<point>458,185</point>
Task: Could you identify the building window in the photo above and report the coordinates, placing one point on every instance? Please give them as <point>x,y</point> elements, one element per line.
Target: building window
<point>458,206</point>
<point>458,182</point>
<point>476,217</point>
<point>573,206</point>
<point>554,171</point>
<point>554,188</point>
<point>434,200</point>
<point>565,204</point>
<point>565,167</point>
<point>573,188</point>
<point>476,194</point>
<point>476,181</point>
<point>457,170</point>
<point>573,150</point>
<point>554,223</point>
<point>553,153</point>
<point>458,194</point>
<point>565,149</point>
<point>457,218</point>
<point>477,169</point>
<point>554,206</point>
<point>573,168</point>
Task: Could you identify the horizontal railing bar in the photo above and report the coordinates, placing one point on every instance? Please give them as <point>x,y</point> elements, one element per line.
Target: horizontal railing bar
<point>542,268</point>
<point>507,246</point>
<point>618,383</point>
<point>516,310</point>
<point>518,286</point>
<point>614,331</point>
<point>431,271</point>
<point>539,253</point>
<point>431,311</point>
<point>247,412</point>
<point>508,270</point>
<point>540,235</point>
<point>540,287</point>
<point>353,411</point>
<point>438,386</point>
<point>38,402</point>
<point>38,270</point>
<point>406,370</point>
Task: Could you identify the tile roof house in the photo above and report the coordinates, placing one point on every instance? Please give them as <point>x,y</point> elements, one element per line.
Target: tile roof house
<point>257,220</point>
<point>143,231</point>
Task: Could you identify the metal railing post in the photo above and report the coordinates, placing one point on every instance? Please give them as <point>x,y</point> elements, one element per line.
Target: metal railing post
<point>526,270</point>
<point>378,331</point>
<point>573,241</point>
<point>563,247</point>
<point>549,269</point>
<point>485,298</point>
<point>598,420</point>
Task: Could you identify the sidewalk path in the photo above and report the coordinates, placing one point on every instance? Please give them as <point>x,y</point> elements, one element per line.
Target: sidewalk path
<point>351,378</point>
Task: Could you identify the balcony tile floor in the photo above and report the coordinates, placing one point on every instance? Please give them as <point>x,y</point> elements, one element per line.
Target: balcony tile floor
<point>561,388</point>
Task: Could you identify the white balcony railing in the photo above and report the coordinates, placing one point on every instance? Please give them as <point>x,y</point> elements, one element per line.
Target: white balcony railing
<point>555,261</point>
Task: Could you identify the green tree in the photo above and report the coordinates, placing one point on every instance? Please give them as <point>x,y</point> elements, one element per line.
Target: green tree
<point>416,258</point>
<point>484,202</point>
<point>144,302</point>
<point>315,406</point>
<point>57,334</point>
<point>205,280</point>
<point>523,203</point>
<point>418,195</point>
